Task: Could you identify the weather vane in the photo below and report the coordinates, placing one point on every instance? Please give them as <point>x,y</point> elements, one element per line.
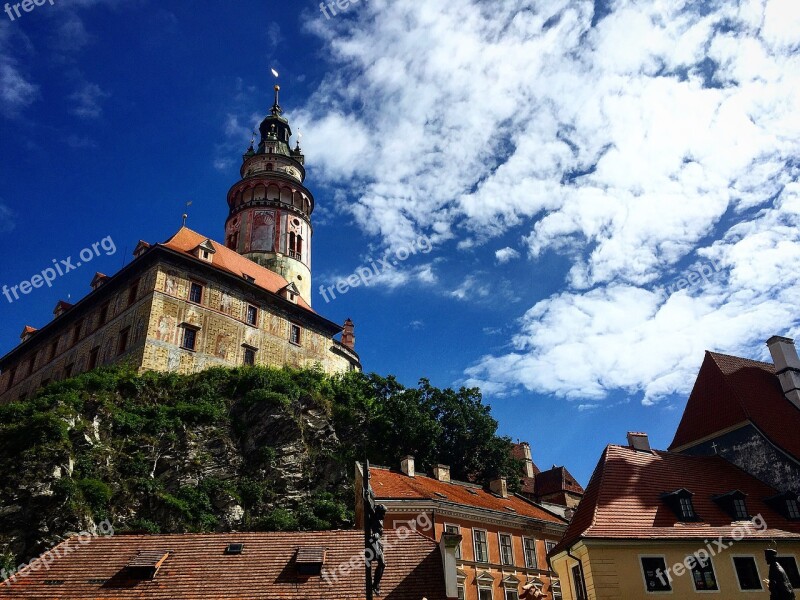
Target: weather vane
<point>186,214</point>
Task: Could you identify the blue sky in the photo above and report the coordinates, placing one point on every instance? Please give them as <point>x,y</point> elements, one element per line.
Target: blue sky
<point>571,164</point>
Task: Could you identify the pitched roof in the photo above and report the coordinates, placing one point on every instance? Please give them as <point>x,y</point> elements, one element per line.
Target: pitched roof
<point>557,479</point>
<point>197,566</point>
<point>729,391</point>
<point>185,241</point>
<point>389,485</point>
<point>623,498</point>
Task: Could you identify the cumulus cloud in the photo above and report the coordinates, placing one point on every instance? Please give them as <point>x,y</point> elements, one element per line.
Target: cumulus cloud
<point>505,255</point>
<point>631,143</point>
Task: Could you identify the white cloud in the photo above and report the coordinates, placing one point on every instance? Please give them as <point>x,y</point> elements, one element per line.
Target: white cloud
<point>505,255</point>
<point>87,101</point>
<point>628,159</point>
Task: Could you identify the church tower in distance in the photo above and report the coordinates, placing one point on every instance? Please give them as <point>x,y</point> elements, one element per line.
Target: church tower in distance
<point>270,209</point>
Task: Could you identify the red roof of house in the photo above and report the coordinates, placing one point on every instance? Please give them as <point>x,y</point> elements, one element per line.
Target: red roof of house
<point>185,241</point>
<point>389,485</point>
<point>730,391</point>
<point>198,567</point>
<point>557,479</point>
<point>623,499</point>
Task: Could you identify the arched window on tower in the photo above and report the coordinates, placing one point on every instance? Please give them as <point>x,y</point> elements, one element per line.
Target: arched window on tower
<point>292,241</point>
<point>233,240</point>
<point>299,248</point>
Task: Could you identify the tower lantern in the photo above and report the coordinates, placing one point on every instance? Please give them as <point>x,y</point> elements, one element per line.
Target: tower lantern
<point>269,219</point>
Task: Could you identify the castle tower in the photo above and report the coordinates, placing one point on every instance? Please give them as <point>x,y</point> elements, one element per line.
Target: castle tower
<point>270,209</point>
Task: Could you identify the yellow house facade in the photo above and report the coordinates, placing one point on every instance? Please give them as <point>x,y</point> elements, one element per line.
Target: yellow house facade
<point>658,524</point>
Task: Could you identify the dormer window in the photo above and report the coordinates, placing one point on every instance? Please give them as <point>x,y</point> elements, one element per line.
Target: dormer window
<point>734,504</point>
<point>680,501</point>
<point>786,504</point>
<point>205,251</point>
<point>140,249</point>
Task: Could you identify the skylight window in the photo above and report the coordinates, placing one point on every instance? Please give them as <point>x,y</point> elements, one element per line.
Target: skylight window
<point>234,549</point>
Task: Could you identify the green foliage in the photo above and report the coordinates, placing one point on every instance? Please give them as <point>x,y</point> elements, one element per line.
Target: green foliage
<point>160,430</point>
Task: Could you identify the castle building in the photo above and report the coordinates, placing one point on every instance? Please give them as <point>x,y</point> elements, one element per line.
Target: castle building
<point>192,303</point>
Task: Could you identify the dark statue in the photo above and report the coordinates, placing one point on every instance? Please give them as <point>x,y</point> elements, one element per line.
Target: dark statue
<point>373,537</point>
<point>780,588</point>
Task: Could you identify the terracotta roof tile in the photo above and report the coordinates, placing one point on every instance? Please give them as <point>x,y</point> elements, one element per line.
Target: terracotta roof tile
<point>198,567</point>
<point>730,390</point>
<point>225,259</point>
<point>623,498</point>
<point>555,480</point>
<point>397,486</point>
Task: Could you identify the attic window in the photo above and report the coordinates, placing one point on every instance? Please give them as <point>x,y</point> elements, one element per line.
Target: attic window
<point>249,278</point>
<point>680,501</point>
<point>510,508</point>
<point>786,504</point>
<point>440,494</point>
<point>309,560</point>
<point>734,504</point>
<point>473,492</point>
<point>146,563</point>
<point>234,549</point>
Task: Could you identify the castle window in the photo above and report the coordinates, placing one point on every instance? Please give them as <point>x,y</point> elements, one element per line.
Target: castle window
<point>101,320</point>
<point>133,292</point>
<point>294,334</point>
<point>196,293</point>
<point>93,354</point>
<point>32,363</point>
<point>68,370</point>
<point>12,374</point>
<point>122,345</point>
<point>189,341</point>
<point>53,348</point>
<point>252,315</point>
<point>249,357</point>
<point>76,332</point>
<point>269,166</point>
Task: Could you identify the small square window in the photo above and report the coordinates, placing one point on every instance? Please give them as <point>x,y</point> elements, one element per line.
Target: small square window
<point>189,338</point>
<point>484,593</point>
<point>196,293</point>
<point>512,594</point>
<point>747,573</point>
<point>249,357</point>
<point>294,334</point>
<point>461,592</point>
<point>252,315</point>
<point>656,578</point>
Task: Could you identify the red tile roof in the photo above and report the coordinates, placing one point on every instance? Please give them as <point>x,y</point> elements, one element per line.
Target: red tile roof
<point>623,499</point>
<point>198,567</point>
<point>729,391</point>
<point>389,485</point>
<point>225,259</point>
<point>555,480</point>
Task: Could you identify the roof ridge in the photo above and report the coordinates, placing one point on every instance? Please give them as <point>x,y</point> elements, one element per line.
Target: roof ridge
<point>727,385</point>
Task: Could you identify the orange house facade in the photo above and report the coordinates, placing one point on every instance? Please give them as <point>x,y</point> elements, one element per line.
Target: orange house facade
<point>505,538</point>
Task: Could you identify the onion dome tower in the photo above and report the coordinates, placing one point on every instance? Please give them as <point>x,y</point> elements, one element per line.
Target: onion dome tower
<point>269,220</point>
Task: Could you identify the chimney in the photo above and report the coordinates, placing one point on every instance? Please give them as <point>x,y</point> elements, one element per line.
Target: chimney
<point>527,457</point>
<point>348,335</point>
<point>639,441</point>
<point>499,487</point>
<point>787,366</point>
<point>407,465</point>
<point>441,473</point>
